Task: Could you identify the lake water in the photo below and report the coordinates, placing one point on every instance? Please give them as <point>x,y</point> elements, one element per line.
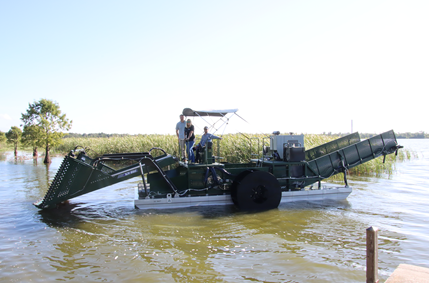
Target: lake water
<point>100,237</point>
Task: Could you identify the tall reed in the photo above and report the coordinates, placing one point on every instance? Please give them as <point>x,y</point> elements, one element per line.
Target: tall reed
<point>234,148</point>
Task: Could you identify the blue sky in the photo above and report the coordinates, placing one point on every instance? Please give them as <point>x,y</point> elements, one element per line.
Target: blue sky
<point>293,66</point>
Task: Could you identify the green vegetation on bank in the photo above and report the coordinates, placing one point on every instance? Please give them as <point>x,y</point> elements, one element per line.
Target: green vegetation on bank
<point>406,135</point>
<point>234,148</point>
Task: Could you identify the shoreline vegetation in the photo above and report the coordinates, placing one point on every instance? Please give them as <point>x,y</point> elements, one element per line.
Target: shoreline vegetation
<point>234,148</point>
<point>406,135</point>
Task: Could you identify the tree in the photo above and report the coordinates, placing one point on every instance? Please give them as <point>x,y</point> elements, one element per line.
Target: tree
<point>32,136</point>
<point>2,137</point>
<point>46,115</point>
<point>14,137</point>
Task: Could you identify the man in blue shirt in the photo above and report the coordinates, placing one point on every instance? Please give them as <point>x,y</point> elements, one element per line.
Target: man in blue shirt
<point>207,137</point>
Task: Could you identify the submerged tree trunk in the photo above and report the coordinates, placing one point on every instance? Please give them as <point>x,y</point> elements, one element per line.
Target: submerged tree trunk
<point>47,157</point>
<point>16,149</point>
<point>35,153</point>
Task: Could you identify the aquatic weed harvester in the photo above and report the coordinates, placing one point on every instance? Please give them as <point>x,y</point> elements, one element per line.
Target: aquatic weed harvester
<point>281,172</point>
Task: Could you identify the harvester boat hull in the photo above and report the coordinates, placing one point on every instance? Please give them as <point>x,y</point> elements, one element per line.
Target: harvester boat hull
<point>326,192</point>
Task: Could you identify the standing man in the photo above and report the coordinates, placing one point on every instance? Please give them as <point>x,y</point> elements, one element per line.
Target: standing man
<point>180,132</point>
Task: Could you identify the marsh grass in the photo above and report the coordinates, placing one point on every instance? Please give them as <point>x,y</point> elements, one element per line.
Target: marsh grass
<point>234,148</point>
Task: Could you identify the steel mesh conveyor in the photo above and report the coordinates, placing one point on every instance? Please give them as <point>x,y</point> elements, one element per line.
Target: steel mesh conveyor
<point>77,177</point>
<point>358,152</point>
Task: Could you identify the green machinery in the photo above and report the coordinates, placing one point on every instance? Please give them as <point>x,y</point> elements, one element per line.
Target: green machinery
<point>281,170</point>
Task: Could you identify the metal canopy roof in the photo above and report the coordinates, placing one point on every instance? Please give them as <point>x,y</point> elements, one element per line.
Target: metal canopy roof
<point>215,113</point>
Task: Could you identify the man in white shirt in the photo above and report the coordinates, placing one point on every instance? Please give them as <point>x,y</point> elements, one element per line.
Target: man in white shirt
<point>180,132</point>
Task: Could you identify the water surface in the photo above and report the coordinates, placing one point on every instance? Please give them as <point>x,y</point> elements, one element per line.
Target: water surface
<point>101,237</point>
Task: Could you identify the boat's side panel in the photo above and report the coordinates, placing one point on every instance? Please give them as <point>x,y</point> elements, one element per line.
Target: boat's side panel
<point>172,202</point>
<point>338,193</point>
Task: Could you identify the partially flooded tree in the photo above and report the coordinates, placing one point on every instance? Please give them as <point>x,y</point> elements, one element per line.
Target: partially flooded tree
<point>32,136</point>
<point>14,137</point>
<point>50,122</point>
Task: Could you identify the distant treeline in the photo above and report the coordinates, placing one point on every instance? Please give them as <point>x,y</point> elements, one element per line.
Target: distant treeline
<point>407,135</point>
